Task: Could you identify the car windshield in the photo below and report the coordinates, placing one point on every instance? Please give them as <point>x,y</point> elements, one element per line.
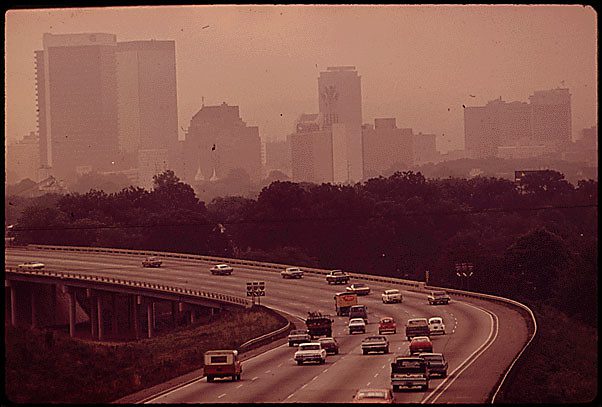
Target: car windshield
<point>359,285</point>
<point>431,358</point>
<point>298,332</point>
<point>435,321</point>
<point>310,347</point>
<point>392,292</point>
<point>293,269</point>
<point>416,322</point>
<point>326,341</point>
<point>375,338</point>
<point>439,294</point>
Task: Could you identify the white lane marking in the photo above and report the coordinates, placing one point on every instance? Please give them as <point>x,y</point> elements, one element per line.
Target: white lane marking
<point>314,378</point>
<point>255,378</point>
<point>368,384</point>
<point>480,350</point>
<point>304,386</point>
<point>220,396</point>
<point>384,366</point>
<point>325,370</point>
<point>280,365</point>
<point>376,375</point>
<point>239,386</point>
<point>268,371</point>
<point>290,395</point>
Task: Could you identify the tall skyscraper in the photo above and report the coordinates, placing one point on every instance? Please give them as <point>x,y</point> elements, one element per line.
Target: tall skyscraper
<point>218,141</point>
<point>551,122</point>
<point>340,102</point>
<point>147,95</point>
<point>311,150</point>
<point>77,102</point>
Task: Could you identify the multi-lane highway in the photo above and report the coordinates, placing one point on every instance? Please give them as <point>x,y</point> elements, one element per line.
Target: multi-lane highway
<point>482,339</point>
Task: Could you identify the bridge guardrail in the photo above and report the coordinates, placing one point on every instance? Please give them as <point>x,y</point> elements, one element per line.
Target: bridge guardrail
<point>138,284</point>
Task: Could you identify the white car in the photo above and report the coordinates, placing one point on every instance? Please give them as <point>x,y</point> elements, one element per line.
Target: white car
<point>31,265</point>
<point>310,352</point>
<point>436,326</point>
<point>222,269</point>
<point>359,289</point>
<point>292,272</point>
<point>357,325</point>
<point>152,261</point>
<point>390,296</point>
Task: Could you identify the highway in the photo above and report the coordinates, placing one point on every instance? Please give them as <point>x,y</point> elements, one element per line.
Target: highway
<point>482,337</point>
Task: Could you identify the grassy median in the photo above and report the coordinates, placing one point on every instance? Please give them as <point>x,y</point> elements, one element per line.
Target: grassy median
<point>75,371</point>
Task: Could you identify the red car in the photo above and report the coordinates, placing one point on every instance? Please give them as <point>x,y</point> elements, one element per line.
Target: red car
<point>421,344</point>
<point>387,324</point>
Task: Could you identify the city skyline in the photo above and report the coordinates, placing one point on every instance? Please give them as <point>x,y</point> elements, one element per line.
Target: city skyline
<point>265,60</point>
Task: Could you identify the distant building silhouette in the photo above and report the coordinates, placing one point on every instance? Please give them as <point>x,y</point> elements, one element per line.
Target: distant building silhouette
<point>147,95</point>
<point>425,148</point>
<point>218,141</point>
<point>22,159</point>
<point>311,150</point>
<point>77,101</point>
<point>340,102</point>
<point>384,145</point>
<point>519,129</point>
<point>151,162</point>
<point>278,157</point>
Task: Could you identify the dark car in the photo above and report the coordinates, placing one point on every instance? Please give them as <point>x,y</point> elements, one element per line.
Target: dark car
<point>436,363</point>
<point>330,345</point>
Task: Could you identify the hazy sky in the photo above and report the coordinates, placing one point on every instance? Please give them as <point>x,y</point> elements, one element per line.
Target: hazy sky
<point>418,64</point>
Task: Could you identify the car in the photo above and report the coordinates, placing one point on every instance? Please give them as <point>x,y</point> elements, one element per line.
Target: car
<point>310,352</point>
<point>297,336</point>
<point>292,272</point>
<point>337,277</point>
<point>391,296</point>
<point>420,344</point>
<point>436,326</point>
<point>375,344</point>
<point>436,363</point>
<point>417,327</point>
<point>359,311</point>
<point>357,325</point>
<point>221,269</point>
<point>438,297</point>
<point>387,324</point>
<point>359,289</point>
<point>31,265</point>
<point>384,396</point>
<point>330,345</point>
<point>152,261</point>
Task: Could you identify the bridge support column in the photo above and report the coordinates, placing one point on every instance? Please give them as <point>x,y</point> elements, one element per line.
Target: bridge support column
<point>71,294</point>
<point>93,318</point>
<point>192,314</point>
<point>99,318</point>
<point>174,312</point>
<point>13,305</point>
<point>113,314</point>
<point>34,320</point>
<point>150,316</point>
<point>137,301</point>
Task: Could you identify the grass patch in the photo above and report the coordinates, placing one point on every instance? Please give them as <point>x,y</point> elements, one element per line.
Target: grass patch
<point>560,366</point>
<point>75,371</point>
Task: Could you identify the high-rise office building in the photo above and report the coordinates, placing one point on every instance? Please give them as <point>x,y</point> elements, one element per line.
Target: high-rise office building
<point>551,122</point>
<point>147,95</point>
<point>218,141</point>
<point>385,145</point>
<point>22,159</point>
<point>340,102</point>
<point>311,150</point>
<point>77,102</point>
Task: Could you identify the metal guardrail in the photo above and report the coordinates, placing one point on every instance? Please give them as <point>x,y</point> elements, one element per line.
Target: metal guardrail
<point>269,335</point>
<point>414,285</point>
<point>137,284</point>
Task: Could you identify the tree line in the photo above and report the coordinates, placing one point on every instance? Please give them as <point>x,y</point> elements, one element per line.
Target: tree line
<point>533,241</point>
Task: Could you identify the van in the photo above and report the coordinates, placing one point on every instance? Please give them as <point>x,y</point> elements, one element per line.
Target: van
<point>222,363</point>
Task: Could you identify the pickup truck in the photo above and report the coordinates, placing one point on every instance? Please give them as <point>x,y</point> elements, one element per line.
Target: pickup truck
<point>357,325</point>
<point>359,311</point>
<point>310,352</point>
<point>337,277</point>
<point>438,297</point>
<point>297,336</point>
<point>436,363</point>
<point>417,327</point>
<point>408,371</point>
<point>222,363</point>
<point>318,324</point>
<point>375,344</point>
